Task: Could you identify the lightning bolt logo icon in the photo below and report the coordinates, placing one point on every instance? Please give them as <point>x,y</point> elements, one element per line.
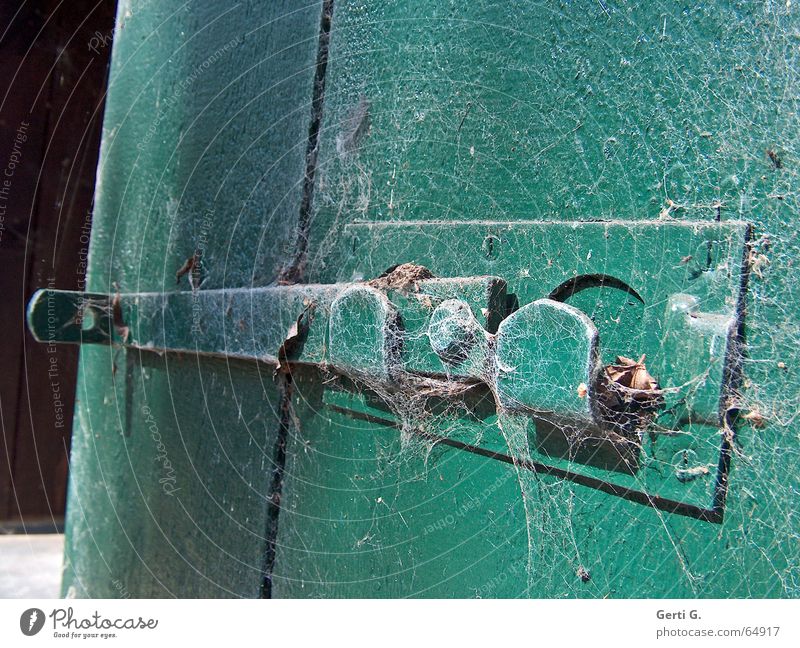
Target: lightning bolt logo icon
<point>34,616</point>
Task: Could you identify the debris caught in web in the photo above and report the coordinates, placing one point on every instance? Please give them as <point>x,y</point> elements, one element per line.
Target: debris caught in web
<point>628,394</point>
<point>402,277</point>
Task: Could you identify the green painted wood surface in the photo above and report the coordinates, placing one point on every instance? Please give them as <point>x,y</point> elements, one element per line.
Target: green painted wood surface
<point>566,111</point>
<point>433,111</point>
<point>363,516</point>
<point>204,147</point>
<point>171,476</point>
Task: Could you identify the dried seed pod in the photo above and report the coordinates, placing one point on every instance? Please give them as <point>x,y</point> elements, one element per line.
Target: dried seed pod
<point>633,375</point>
<point>628,395</point>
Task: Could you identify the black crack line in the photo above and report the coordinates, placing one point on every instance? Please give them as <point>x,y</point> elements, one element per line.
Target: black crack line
<point>292,274</point>
<point>295,272</point>
<point>661,503</point>
<point>276,483</point>
<point>732,379</point>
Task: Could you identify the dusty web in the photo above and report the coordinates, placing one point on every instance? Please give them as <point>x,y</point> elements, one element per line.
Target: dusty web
<point>682,118</point>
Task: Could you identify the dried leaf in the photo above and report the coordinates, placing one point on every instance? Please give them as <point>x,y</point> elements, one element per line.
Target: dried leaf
<point>193,267</point>
<point>774,158</point>
<point>628,395</point>
<point>185,269</point>
<point>632,375</point>
<point>755,418</point>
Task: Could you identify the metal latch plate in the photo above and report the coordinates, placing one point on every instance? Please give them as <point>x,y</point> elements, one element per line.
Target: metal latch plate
<point>669,290</point>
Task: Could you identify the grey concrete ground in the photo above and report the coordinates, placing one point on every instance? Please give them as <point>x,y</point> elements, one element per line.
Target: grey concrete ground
<point>30,565</point>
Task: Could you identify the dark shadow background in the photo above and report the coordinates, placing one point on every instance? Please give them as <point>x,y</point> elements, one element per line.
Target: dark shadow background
<point>54,63</point>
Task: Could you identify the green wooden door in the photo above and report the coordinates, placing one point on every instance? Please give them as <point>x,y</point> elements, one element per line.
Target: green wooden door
<point>634,161</point>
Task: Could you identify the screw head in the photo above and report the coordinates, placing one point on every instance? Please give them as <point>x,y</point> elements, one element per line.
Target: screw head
<point>491,246</point>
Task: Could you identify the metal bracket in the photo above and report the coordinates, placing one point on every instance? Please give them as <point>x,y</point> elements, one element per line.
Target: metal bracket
<point>542,360</point>
<point>672,290</point>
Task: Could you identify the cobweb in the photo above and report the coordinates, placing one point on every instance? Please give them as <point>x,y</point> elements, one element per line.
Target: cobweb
<point>694,140</point>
